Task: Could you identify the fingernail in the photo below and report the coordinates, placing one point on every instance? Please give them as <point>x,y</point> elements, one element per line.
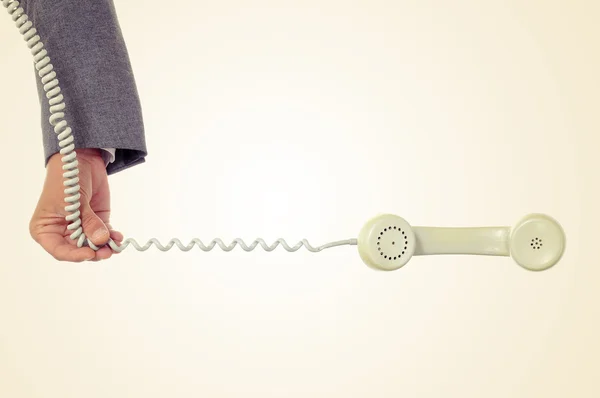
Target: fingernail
<point>99,234</point>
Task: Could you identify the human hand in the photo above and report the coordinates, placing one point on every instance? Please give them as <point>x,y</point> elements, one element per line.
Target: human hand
<point>48,225</point>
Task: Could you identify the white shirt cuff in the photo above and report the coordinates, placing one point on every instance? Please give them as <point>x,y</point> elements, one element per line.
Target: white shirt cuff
<point>108,154</point>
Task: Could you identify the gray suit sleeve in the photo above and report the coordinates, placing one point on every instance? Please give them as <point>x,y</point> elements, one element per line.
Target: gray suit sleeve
<point>87,49</point>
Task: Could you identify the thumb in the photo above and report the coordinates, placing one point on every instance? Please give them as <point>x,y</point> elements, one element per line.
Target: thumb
<point>94,227</point>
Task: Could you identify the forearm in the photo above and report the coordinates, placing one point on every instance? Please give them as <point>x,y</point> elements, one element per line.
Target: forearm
<point>87,49</point>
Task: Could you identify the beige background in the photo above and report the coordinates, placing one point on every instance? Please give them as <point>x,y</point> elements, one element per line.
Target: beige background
<point>303,119</point>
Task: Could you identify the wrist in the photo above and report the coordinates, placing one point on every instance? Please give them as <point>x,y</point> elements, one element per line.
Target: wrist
<point>89,152</point>
<point>85,154</point>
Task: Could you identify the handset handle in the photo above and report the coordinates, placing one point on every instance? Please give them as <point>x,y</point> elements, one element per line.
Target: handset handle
<point>486,241</point>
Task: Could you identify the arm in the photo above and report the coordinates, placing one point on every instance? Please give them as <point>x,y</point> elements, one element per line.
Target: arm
<point>88,51</point>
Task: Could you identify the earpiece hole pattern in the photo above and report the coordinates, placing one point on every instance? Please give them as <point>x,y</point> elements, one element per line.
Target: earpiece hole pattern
<point>536,243</point>
<point>401,251</point>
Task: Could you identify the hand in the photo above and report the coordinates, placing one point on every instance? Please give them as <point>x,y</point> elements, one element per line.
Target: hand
<point>48,225</point>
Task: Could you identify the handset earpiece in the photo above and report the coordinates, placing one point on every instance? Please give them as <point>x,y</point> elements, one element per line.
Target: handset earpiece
<point>387,242</point>
<point>537,242</point>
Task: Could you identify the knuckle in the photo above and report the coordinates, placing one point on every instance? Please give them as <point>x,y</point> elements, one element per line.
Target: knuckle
<point>87,223</point>
<point>33,233</point>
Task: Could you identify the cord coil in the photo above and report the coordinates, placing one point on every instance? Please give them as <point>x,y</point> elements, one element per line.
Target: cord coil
<point>236,242</point>
<point>66,143</point>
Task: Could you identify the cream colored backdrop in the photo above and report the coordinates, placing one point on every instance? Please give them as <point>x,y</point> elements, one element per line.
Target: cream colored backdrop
<point>303,119</point>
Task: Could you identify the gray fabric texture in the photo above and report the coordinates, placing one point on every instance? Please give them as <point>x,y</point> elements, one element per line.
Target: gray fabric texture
<point>87,49</point>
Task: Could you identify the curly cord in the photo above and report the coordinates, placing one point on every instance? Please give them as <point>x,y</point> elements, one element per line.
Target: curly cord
<point>236,242</point>
<point>69,157</point>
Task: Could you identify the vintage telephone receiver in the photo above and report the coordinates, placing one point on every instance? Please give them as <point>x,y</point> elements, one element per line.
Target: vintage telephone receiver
<point>386,242</point>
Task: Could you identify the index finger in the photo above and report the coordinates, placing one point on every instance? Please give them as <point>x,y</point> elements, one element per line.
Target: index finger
<point>57,246</point>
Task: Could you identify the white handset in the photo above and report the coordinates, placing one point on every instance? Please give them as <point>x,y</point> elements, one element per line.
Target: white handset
<point>387,242</point>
